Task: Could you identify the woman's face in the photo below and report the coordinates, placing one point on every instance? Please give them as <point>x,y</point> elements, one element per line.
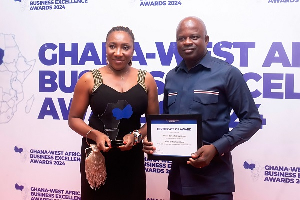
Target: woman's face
<point>119,49</point>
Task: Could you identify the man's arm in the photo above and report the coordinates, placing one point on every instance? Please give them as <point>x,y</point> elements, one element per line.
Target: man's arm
<point>241,100</point>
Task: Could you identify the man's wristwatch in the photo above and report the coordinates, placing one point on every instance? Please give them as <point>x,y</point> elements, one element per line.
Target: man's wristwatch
<point>137,136</point>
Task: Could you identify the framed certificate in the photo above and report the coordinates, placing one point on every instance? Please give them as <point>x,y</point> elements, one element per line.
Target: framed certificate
<point>175,137</point>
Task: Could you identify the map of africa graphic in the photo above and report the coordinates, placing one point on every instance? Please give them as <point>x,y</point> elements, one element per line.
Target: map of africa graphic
<point>14,69</point>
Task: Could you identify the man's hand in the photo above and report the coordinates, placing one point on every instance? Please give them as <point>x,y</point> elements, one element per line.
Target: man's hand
<point>148,146</point>
<point>203,156</point>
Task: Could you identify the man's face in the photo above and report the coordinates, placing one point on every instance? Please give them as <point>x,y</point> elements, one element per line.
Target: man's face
<point>191,40</point>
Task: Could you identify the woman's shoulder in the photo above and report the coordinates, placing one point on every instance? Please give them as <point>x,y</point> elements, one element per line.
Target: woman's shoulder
<point>87,76</point>
<point>141,71</point>
<point>90,75</point>
<point>149,80</point>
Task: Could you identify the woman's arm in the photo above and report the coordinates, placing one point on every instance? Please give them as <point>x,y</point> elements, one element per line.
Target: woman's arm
<point>79,105</point>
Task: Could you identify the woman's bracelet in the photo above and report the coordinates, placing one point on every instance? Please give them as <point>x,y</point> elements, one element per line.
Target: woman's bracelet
<point>86,136</point>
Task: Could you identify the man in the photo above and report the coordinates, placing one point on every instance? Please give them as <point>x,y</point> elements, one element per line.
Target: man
<point>202,84</point>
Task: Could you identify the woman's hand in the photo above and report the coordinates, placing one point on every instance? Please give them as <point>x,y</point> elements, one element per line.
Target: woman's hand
<point>128,141</point>
<point>101,139</point>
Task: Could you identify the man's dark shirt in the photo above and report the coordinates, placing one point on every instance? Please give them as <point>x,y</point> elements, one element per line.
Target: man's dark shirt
<point>212,88</point>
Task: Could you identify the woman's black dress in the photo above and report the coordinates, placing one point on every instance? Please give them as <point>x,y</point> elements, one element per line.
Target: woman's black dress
<point>126,177</point>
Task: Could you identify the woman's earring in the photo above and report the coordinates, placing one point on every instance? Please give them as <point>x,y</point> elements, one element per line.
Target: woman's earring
<point>130,62</point>
<point>106,59</point>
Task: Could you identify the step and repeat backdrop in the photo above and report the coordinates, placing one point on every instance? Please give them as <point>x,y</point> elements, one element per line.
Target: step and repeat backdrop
<point>46,45</point>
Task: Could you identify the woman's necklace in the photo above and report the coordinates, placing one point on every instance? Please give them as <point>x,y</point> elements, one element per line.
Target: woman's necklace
<point>116,72</point>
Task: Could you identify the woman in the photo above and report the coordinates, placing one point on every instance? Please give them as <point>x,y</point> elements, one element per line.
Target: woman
<point>118,95</point>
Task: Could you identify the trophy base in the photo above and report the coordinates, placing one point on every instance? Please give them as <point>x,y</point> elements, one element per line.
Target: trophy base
<point>116,143</point>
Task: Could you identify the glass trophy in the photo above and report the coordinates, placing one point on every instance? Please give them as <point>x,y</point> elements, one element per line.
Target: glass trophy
<point>114,112</point>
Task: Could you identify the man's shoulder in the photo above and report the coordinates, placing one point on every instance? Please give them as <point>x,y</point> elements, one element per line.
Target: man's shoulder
<point>221,67</point>
<point>219,62</point>
<point>172,71</point>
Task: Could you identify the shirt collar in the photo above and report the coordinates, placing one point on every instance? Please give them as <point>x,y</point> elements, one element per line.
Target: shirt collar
<point>204,62</point>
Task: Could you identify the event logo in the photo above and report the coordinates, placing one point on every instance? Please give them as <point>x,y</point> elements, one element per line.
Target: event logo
<point>54,4</point>
<point>23,189</point>
<point>282,174</point>
<point>19,187</point>
<point>22,153</point>
<point>14,70</point>
<point>157,166</point>
<point>273,173</point>
<point>48,157</point>
<point>18,150</point>
<point>39,193</point>
<point>43,193</point>
<point>283,1</point>
<point>249,166</point>
<point>150,3</point>
<point>53,157</point>
<point>63,54</point>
